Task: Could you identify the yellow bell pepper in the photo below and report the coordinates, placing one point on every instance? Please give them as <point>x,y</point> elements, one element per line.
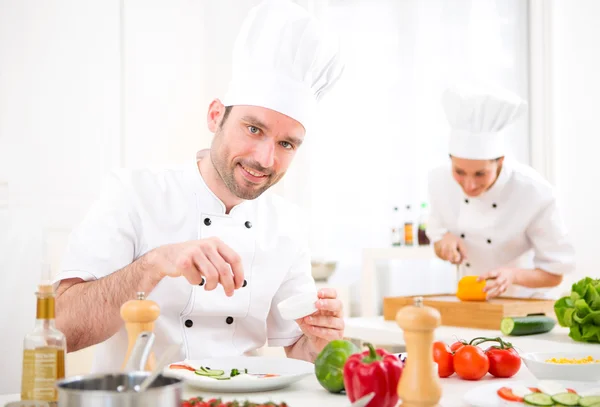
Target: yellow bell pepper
<point>469,289</point>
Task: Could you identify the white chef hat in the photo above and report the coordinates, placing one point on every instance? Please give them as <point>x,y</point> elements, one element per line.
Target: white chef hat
<point>478,117</point>
<point>284,60</point>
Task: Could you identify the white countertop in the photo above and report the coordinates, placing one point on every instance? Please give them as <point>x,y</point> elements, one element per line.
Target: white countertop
<point>377,330</point>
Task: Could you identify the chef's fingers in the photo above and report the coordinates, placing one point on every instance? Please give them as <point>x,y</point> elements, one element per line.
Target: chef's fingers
<point>224,274</point>
<point>490,275</point>
<point>325,333</point>
<point>492,284</point>
<point>462,248</point>
<point>327,293</point>
<point>447,253</point>
<point>325,321</point>
<point>493,293</point>
<point>332,305</point>
<point>235,262</point>
<point>184,266</point>
<point>203,268</point>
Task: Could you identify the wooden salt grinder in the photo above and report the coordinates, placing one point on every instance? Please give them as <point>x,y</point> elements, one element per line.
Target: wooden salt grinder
<point>139,316</point>
<point>419,385</point>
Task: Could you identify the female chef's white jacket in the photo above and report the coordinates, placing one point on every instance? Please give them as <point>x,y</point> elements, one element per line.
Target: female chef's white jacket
<point>141,210</point>
<point>515,223</point>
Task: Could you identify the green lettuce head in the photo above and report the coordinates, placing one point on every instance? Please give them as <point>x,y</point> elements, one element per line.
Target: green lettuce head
<point>580,312</point>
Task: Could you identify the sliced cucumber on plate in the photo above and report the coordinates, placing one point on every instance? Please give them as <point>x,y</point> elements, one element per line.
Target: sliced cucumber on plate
<point>204,371</point>
<point>567,399</point>
<point>589,401</point>
<point>538,399</point>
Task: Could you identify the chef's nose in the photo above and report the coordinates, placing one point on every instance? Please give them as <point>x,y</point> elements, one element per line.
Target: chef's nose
<point>470,184</point>
<point>264,153</point>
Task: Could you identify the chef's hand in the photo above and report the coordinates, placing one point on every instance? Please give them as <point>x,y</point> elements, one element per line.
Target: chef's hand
<point>451,248</point>
<point>498,281</point>
<point>327,323</point>
<point>209,258</point>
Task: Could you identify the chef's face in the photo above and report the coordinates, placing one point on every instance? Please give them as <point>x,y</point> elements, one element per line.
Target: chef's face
<point>253,147</point>
<point>475,176</point>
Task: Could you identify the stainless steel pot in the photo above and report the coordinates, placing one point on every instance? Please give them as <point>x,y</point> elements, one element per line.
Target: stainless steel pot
<point>119,389</point>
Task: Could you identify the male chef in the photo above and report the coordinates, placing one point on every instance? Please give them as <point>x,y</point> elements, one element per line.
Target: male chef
<point>491,215</point>
<point>208,242</point>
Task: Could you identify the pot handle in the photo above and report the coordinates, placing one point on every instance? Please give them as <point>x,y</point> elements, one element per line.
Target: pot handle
<point>140,352</point>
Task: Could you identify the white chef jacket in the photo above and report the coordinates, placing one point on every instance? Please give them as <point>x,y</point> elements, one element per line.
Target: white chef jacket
<point>140,210</point>
<point>516,223</point>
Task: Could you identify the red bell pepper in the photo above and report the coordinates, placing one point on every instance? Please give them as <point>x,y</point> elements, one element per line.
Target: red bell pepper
<point>373,371</point>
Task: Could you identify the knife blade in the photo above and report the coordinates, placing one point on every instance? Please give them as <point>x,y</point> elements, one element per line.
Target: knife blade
<point>363,401</point>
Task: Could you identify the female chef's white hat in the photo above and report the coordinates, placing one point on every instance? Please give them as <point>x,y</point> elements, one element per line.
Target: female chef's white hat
<point>478,118</point>
<point>284,60</point>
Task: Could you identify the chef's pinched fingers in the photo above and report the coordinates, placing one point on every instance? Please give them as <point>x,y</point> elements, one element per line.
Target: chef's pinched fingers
<point>225,276</point>
<point>235,261</point>
<point>204,269</point>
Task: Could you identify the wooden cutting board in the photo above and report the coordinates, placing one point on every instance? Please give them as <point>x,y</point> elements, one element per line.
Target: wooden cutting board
<point>472,314</point>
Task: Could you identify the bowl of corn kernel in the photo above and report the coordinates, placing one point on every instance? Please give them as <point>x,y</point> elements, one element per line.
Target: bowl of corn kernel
<point>576,366</point>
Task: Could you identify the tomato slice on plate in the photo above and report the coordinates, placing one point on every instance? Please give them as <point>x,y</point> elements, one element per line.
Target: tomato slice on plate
<point>179,366</point>
<point>507,394</point>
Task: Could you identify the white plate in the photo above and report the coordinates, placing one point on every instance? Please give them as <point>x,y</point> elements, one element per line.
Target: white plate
<point>486,395</point>
<point>289,371</point>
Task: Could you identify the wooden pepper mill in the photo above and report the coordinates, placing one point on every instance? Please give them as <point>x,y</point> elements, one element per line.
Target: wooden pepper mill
<point>139,316</point>
<point>419,385</point>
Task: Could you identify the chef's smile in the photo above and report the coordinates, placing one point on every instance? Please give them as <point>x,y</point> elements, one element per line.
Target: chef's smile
<point>252,175</point>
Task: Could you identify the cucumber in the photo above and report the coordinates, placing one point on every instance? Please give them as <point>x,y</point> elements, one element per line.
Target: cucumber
<point>589,401</point>
<point>538,399</point>
<point>209,372</point>
<point>595,405</point>
<point>566,399</point>
<point>529,325</point>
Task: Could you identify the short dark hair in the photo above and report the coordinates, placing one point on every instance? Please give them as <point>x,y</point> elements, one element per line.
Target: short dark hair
<point>225,115</point>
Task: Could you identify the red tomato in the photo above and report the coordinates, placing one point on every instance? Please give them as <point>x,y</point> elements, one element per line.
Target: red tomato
<point>507,394</point>
<point>443,357</point>
<point>471,363</point>
<point>503,362</point>
<point>571,391</point>
<point>456,346</point>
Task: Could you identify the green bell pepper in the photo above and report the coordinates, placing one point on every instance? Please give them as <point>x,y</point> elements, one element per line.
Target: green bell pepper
<point>329,364</point>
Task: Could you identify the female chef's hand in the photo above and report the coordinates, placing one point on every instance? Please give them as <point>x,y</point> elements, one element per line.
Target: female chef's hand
<point>498,281</point>
<point>451,248</point>
<point>327,323</point>
<point>209,260</point>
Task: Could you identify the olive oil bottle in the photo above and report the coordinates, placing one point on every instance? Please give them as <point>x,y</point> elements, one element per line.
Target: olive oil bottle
<point>44,349</point>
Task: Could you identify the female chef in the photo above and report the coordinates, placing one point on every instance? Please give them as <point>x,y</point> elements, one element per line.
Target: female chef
<point>208,242</point>
<point>491,216</point>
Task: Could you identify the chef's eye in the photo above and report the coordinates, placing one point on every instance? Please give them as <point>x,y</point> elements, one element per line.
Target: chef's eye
<point>287,145</point>
<point>253,129</point>
<point>479,174</point>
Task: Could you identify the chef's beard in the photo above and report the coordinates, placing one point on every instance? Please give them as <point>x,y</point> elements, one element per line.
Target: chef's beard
<point>220,158</point>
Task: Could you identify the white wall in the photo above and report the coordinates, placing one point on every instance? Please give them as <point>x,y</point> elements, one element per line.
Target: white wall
<point>59,132</point>
<point>576,88</point>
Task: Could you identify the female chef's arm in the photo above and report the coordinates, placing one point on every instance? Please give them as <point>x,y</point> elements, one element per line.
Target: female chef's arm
<point>446,246</point>
<point>553,256</point>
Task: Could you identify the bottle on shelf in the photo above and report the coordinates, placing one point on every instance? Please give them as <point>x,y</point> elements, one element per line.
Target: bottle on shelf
<point>44,348</point>
<point>422,238</point>
<point>396,228</point>
<point>408,227</point>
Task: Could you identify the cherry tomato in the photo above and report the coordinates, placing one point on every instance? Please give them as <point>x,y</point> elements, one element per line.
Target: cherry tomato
<point>503,362</point>
<point>471,363</point>
<point>507,394</point>
<point>442,355</point>
<point>456,346</point>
